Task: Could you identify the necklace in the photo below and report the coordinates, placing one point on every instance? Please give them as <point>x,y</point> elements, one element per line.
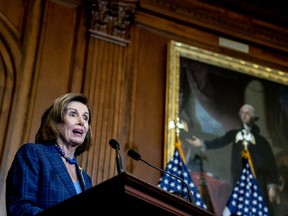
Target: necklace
<point>61,152</point>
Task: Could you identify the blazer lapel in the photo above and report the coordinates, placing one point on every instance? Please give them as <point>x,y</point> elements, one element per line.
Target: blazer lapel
<point>81,177</point>
<point>59,167</point>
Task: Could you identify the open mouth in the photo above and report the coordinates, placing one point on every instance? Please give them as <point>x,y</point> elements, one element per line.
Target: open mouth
<point>78,131</point>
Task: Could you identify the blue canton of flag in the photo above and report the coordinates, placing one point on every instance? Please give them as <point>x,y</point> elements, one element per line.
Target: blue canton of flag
<point>168,183</point>
<point>246,198</point>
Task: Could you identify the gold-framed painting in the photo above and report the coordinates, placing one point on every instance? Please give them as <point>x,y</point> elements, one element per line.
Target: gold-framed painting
<point>204,93</point>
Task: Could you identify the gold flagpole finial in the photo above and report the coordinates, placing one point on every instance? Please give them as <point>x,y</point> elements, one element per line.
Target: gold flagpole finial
<point>178,125</point>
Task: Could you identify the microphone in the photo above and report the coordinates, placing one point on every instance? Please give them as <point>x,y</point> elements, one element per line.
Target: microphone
<point>115,145</point>
<point>136,156</point>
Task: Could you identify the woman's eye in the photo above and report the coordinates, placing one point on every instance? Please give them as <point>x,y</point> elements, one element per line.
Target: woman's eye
<point>86,118</point>
<point>73,114</point>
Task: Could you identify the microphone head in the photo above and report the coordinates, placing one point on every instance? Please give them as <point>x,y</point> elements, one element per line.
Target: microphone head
<point>114,144</point>
<point>133,154</point>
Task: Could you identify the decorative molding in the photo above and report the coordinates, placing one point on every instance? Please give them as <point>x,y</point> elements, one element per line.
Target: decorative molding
<point>220,20</point>
<point>68,3</point>
<point>111,20</point>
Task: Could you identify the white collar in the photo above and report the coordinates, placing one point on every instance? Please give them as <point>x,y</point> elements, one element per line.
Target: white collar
<point>246,137</point>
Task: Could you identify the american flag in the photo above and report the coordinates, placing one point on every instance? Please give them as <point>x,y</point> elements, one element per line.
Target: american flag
<point>246,198</point>
<point>177,167</point>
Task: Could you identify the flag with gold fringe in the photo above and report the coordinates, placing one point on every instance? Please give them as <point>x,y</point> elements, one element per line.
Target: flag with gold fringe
<point>246,198</point>
<point>176,166</point>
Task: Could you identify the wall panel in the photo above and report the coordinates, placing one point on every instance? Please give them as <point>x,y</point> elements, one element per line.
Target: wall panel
<point>148,102</point>
<point>104,86</point>
<point>54,62</point>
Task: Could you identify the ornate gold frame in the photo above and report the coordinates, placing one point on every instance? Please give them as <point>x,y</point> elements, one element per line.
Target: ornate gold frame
<point>177,50</point>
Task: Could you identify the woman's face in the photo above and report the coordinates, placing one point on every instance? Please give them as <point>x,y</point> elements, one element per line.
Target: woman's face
<point>75,127</point>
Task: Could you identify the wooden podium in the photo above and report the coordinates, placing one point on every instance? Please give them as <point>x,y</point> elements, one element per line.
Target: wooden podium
<point>125,194</point>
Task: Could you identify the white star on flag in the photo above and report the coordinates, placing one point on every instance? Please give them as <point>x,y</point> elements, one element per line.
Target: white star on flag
<point>177,167</point>
<point>246,198</point>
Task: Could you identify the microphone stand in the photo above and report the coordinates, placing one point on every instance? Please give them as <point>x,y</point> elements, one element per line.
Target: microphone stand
<point>137,156</point>
<point>115,145</point>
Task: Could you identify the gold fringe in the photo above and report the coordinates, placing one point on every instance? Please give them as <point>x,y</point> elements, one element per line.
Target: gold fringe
<point>179,148</point>
<point>246,154</point>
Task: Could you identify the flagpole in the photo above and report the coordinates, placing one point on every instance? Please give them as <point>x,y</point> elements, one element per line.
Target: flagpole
<point>177,166</point>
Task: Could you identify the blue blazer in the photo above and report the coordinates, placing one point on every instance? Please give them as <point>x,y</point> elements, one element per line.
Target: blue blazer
<point>38,179</point>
